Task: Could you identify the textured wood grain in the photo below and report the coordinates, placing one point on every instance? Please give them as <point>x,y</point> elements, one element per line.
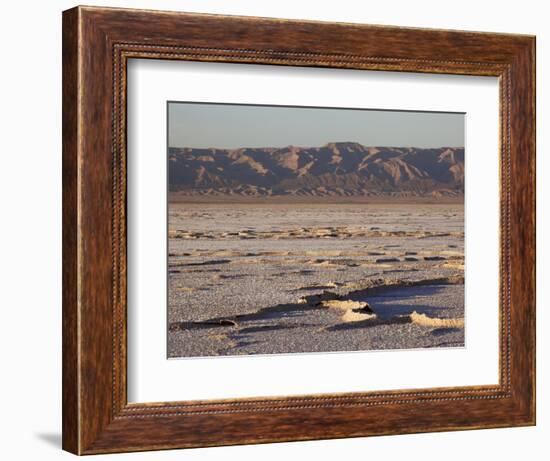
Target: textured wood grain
<point>97,44</point>
<point>70,384</point>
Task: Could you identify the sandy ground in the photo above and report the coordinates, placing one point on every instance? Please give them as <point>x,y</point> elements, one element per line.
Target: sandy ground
<point>279,278</point>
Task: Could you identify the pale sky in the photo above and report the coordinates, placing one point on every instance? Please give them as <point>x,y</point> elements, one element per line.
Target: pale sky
<point>230,126</point>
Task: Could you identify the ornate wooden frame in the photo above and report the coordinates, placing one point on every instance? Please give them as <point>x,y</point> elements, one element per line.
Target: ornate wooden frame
<point>97,43</point>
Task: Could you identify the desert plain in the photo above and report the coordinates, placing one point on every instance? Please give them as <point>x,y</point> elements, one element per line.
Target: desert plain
<point>268,277</point>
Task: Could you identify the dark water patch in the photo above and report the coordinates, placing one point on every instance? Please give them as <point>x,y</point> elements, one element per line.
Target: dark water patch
<point>208,263</point>
<point>245,343</point>
<point>201,271</point>
<point>214,323</point>
<point>391,271</point>
<point>444,331</point>
<point>404,297</point>
<point>233,276</point>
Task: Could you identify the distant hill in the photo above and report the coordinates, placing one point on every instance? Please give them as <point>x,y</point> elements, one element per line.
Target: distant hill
<point>337,169</point>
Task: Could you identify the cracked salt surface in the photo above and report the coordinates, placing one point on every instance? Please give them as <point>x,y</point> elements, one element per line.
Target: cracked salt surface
<point>232,296</point>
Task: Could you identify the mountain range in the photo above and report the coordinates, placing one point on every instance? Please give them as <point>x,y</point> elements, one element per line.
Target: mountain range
<point>336,169</point>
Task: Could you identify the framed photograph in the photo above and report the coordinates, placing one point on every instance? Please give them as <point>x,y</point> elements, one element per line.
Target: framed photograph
<point>280,230</point>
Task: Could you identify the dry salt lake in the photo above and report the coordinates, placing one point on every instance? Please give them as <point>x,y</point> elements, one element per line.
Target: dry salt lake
<point>273,278</point>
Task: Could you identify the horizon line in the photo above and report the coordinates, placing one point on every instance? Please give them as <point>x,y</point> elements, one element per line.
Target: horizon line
<point>317,147</point>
